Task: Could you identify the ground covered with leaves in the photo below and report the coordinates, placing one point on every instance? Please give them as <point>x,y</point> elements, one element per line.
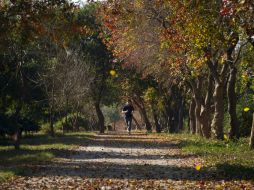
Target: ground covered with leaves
<point>119,161</point>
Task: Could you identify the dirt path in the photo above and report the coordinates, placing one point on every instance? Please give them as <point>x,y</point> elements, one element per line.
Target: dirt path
<point>119,161</point>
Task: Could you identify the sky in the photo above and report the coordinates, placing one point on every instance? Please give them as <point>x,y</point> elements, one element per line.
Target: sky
<point>82,1</point>
<point>79,1</point>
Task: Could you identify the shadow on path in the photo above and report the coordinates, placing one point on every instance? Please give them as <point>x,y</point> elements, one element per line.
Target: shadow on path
<point>127,157</point>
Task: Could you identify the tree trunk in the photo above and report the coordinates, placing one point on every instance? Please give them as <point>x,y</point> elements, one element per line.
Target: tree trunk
<point>136,122</point>
<point>206,110</point>
<point>51,123</point>
<point>146,120</point>
<point>217,122</point>
<point>16,139</point>
<point>18,131</point>
<point>180,115</point>
<point>51,119</point>
<point>114,126</point>
<point>156,122</point>
<point>196,89</point>
<point>66,123</point>
<point>170,120</point>
<point>252,135</point>
<point>205,122</point>
<point>197,114</point>
<point>234,124</point>
<point>65,126</point>
<point>76,121</point>
<point>192,116</point>
<point>100,117</point>
<point>176,121</point>
<point>218,95</point>
<point>141,107</point>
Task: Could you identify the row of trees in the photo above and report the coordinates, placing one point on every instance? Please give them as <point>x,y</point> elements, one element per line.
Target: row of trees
<point>53,67</point>
<point>196,54</point>
<point>182,63</point>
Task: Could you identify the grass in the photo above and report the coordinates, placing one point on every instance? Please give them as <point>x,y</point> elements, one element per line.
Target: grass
<point>37,149</point>
<point>6,175</point>
<point>232,159</point>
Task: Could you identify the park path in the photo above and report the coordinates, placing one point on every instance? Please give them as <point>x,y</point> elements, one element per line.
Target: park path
<point>119,161</point>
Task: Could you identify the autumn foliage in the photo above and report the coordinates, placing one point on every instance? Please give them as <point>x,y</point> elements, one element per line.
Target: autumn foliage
<point>196,44</point>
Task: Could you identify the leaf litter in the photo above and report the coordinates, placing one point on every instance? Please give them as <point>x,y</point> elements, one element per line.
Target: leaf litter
<point>118,161</point>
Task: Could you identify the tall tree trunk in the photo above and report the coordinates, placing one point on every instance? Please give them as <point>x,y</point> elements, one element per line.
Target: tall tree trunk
<point>180,115</point>
<point>218,96</point>
<point>196,90</point>
<point>51,117</point>
<point>220,81</point>
<point>198,98</point>
<point>100,117</point>
<point>65,126</point>
<point>252,135</point>
<point>175,121</point>
<point>114,126</point>
<point>51,122</point>
<point>76,121</point>
<point>205,122</point>
<point>170,120</point>
<point>142,109</point>
<point>66,123</point>
<point>197,114</point>
<point>234,124</point>
<point>192,116</point>
<point>156,122</point>
<point>217,122</point>
<point>206,110</point>
<point>136,122</point>
<point>16,138</point>
<point>18,132</point>
<point>146,120</point>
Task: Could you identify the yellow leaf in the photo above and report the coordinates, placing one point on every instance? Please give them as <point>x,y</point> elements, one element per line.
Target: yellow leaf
<point>225,137</point>
<point>219,187</point>
<point>198,167</point>
<point>113,72</point>
<point>246,109</point>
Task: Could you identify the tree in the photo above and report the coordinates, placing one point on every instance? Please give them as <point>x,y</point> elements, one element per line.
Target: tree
<point>252,135</point>
<point>98,57</point>
<point>112,115</point>
<point>188,40</point>
<point>21,32</point>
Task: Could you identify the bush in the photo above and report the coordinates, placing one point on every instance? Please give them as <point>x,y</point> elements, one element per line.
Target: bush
<point>8,125</point>
<point>245,124</point>
<point>245,117</point>
<point>74,123</point>
<point>29,126</point>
